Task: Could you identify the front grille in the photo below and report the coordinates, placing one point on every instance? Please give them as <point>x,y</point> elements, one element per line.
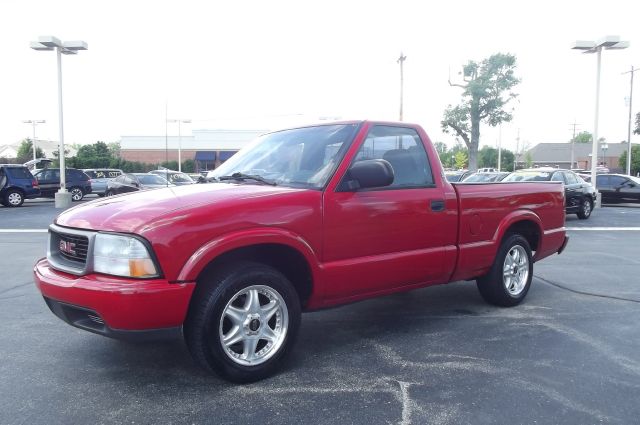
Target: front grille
<point>72,247</point>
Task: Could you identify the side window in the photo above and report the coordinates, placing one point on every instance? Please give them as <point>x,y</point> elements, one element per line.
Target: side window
<point>616,181</point>
<point>602,181</point>
<point>404,150</point>
<point>571,178</point>
<point>557,177</point>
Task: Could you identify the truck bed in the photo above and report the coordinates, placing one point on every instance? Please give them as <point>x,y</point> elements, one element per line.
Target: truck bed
<point>487,210</point>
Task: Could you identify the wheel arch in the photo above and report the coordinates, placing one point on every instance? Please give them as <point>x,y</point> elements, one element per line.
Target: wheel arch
<point>525,223</point>
<point>280,249</point>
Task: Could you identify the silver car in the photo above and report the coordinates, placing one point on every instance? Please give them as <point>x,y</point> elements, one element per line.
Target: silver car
<point>100,177</point>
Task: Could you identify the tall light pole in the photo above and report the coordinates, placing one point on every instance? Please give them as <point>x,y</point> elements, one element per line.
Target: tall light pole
<point>604,146</point>
<point>609,42</point>
<point>34,123</point>
<point>401,60</point>
<point>630,120</point>
<point>62,197</point>
<point>179,121</point>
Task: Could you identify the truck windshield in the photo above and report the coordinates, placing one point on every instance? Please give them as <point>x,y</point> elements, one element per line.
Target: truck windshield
<point>302,157</point>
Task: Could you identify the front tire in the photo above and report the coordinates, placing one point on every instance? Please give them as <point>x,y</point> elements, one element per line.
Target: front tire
<point>509,279</point>
<point>585,209</point>
<point>242,321</point>
<point>13,198</point>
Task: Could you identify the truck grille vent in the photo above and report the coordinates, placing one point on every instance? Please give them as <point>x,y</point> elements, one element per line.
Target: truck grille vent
<point>72,247</point>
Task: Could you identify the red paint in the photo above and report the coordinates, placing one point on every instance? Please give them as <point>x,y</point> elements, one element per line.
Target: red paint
<point>357,244</point>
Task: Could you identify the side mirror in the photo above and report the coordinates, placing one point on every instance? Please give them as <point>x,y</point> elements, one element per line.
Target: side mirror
<point>368,173</point>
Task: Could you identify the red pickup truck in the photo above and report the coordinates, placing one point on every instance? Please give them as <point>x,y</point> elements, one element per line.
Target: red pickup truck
<point>298,220</point>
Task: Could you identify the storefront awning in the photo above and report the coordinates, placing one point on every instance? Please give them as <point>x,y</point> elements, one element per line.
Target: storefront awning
<point>224,155</point>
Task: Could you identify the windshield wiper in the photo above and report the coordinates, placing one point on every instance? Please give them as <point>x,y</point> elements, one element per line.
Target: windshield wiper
<point>242,176</point>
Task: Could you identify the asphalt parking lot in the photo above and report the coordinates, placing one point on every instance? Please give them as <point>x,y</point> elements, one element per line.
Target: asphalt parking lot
<point>569,354</point>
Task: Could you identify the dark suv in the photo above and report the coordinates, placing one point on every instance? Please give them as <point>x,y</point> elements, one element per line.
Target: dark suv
<point>78,183</point>
<point>16,185</point>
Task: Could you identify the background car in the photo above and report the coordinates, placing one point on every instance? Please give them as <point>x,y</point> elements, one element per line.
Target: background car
<point>618,188</point>
<point>99,178</point>
<point>17,184</point>
<point>580,196</point>
<point>456,176</point>
<point>485,177</point>
<point>132,182</point>
<point>77,182</point>
<point>176,177</point>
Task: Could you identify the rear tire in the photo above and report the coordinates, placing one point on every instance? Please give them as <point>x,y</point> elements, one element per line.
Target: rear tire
<point>509,279</point>
<point>242,321</point>
<point>76,194</point>
<point>13,198</point>
<point>586,207</point>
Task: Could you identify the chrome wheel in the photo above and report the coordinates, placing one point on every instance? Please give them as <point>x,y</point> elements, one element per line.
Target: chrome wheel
<point>515,271</point>
<point>76,194</point>
<point>253,325</point>
<point>14,199</point>
<point>586,208</point>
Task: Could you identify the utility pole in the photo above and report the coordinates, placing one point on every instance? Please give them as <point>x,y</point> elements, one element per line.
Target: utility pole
<point>34,123</point>
<point>500,148</point>
<point>573,143</point>
<point>515,161</point>
<point>630,120</point>
<point>401,60</point>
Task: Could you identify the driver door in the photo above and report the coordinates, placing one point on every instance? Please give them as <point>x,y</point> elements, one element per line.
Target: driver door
<point>382,238</point>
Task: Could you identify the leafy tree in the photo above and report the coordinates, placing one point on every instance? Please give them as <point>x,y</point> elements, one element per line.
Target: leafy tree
<point>637,129</point>
<point>460,159</point>
<point>188,166</point>
<point>528,159</point>
<point>25,151</point>
<point>484,98</point>
<point>114,149</point>
<point>635,160</point>
<point>488,157</point>
<point>583,137</point>
<point>508,160</point>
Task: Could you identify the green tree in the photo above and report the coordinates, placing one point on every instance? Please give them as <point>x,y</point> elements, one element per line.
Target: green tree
<point>25,151</point>
<point>486,92</point>
<point>508,160</point>
<point>583,137</point>
<point>460,159</point>
<point>528,159</point>
<point>637,129</point>
<point>488,157</point>
<point>188,166</point>
<point>635,160</point>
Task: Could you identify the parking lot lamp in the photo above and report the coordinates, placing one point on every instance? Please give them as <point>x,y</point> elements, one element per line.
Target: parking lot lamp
<point>62,197</point>
<point>604,146</point>
<point>34,123</point>
<point>609,42</point>
<point>179,121</point>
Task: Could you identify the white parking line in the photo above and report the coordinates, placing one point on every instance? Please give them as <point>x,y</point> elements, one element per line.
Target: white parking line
<point>24,230</point>
<point>626,229</point>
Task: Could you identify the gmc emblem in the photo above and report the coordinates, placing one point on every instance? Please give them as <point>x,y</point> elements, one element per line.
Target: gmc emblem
<point>67,247</point>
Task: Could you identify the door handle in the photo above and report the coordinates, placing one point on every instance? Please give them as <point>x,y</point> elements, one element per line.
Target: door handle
<point>437,205</point>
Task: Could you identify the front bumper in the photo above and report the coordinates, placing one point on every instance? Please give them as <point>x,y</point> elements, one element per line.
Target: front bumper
<point>114,306</point>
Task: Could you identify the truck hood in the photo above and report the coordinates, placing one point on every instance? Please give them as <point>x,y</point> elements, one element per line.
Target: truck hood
<point>129,213</point>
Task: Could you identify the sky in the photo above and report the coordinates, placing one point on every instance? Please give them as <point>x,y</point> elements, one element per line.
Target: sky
<point>267,64</point>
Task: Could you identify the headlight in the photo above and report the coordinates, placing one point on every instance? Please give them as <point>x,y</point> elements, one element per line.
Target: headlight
<point>122,256</point>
